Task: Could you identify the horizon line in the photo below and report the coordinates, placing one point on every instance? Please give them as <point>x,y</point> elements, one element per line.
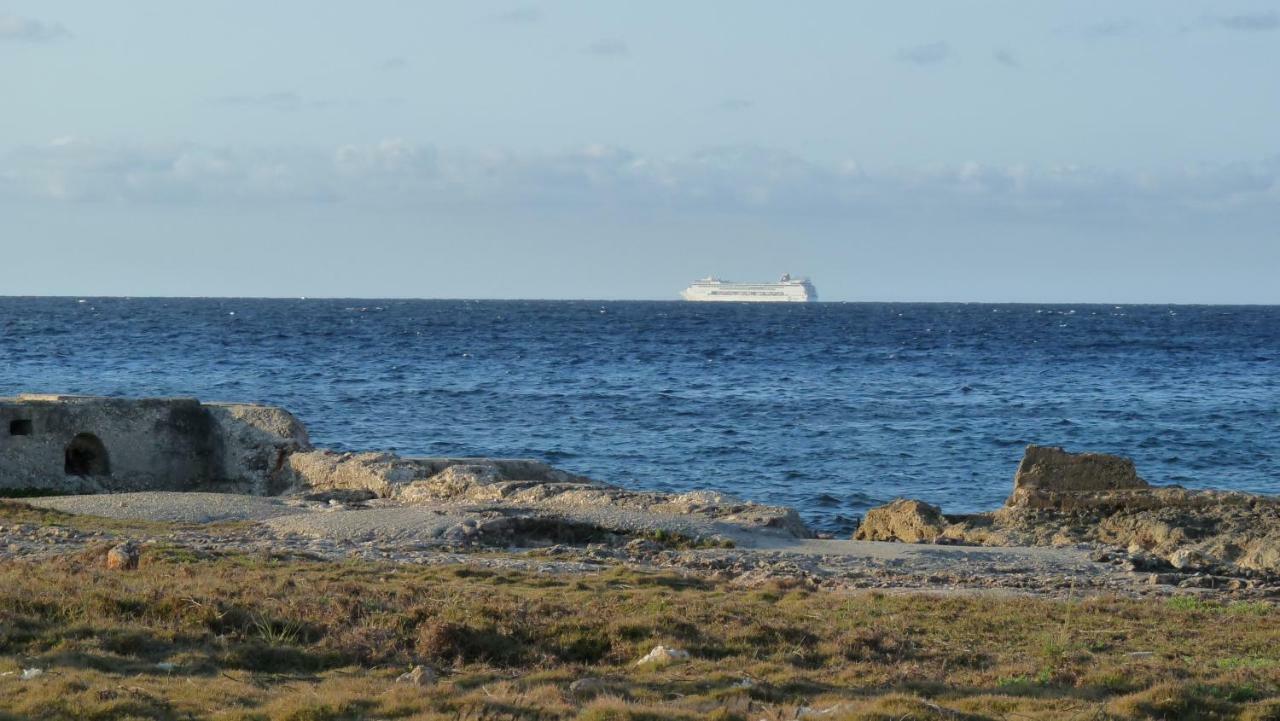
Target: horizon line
<point>630,300</point>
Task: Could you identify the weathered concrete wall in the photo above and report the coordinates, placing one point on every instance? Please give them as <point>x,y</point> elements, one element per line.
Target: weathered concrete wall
<point>85,444</point>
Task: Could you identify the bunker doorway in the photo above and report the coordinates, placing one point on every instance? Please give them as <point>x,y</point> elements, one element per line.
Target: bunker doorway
<point>86,456</point>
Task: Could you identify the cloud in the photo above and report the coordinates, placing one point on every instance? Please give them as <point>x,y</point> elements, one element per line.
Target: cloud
<point>279,100</point>
<point>19,29</point>
<point>1259,21</point>
<point>289,101</point>
<point>608,48</point>
<point>82,170</point>
<point>1006,58</point>
<point>927,54</point>
<point>526,15</point>
<point>735,105</point>
<point>391,158</point>
<point>1105,29</point>
<point>396,174</point>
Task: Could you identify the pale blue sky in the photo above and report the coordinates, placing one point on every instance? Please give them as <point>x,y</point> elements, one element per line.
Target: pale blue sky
<point>991,151</point>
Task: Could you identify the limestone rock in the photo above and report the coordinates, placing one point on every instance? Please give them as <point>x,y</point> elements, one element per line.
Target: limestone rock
<point>809,712</point>
<point>123,557</point>
<point>1050,477</point>
<point>420,480</point>
<point>521,486</point>
<point>903,520</point>
<point>463,480</point>
<point>255,443</point>
<point>1261,553</point>
<point>1062,498</point>
<point>663,656</point>
<point>324,470</point>
<point>418,676</point>
<point>1186,559</point>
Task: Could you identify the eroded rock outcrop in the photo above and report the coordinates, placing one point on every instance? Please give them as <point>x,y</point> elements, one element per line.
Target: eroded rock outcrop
<point>1052,478</point>
<point>1062,498</point>
<point>420,479</point>
<point>255,441</point>
<point>903,520</point>
<point>523,486</point>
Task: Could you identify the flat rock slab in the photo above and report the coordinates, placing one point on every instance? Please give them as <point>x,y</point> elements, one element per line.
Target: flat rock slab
<point>409,524</point>
<point>425,522</point>
<point>383,525</point>
<point>173,507</point>
<point>889,550</point>
<point>980,560</point>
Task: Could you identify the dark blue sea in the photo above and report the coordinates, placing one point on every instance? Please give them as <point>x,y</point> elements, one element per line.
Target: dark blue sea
<point>831,408</point>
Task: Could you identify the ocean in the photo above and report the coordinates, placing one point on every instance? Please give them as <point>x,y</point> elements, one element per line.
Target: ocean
<point>831,408</point>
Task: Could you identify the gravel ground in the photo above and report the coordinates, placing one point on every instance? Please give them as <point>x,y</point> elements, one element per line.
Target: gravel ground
<point>173,507</point>
<point>458,534</point>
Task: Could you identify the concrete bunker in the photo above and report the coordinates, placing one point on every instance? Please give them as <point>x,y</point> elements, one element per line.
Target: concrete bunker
<point>85,444</point>
<point>86,455</point>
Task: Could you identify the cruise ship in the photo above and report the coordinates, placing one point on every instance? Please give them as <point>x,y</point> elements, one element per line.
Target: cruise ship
<point>787,289</point>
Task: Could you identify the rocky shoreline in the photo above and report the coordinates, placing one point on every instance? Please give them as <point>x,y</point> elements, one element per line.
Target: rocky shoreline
<point>803,563</point>
<point>1075,523</point>
<point>1062,499</point>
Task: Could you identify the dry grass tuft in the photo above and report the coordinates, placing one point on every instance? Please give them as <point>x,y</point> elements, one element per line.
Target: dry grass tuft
<point>238,637</point>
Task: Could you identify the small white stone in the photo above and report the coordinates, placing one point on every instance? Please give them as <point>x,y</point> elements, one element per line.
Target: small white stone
<point>1186,558</point>
<point>661,656</point>
<point>419,676</point>
<point>806,712</point>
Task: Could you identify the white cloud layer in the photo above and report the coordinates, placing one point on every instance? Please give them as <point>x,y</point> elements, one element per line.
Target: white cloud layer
<point>518,16</point>
<point>1259,21</point>
<point>608,48</point>
<point>19,29</point>
<point>396,173</point>
<point>928,54</point>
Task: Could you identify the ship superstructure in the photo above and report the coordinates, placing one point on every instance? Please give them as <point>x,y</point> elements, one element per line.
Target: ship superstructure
<point>786,289</point>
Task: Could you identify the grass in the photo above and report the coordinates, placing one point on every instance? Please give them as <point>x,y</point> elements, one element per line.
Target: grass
<point>14,512</point>
<point>247,638</point>
<point>29,493</point>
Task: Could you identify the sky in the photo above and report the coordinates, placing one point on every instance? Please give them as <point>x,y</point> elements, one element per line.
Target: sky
<point>908,151</point>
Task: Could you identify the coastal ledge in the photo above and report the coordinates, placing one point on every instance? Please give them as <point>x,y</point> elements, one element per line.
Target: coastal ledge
<point>58,445</point>
<point>1064,499</point>
<point>326,585</point>
<point>1074,522</point>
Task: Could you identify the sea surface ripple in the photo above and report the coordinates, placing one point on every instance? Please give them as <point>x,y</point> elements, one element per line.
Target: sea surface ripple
<point>831,408</point>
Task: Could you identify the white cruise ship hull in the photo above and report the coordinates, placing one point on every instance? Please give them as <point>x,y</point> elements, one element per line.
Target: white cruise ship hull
<point>784,291</point>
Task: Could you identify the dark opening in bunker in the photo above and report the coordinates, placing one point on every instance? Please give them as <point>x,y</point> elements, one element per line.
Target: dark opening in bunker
<point>86,456</point>
<point>20,427</point>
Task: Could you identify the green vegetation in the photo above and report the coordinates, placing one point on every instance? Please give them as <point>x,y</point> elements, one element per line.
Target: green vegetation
<point>251,637</point>
<point>28,493</point>
<point>16,512</point>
